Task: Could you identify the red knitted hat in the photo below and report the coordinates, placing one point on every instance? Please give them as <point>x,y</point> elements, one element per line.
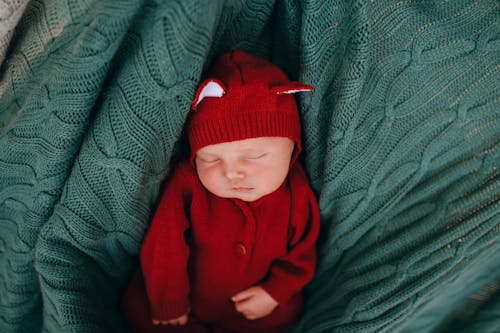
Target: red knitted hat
<point>244,97</point>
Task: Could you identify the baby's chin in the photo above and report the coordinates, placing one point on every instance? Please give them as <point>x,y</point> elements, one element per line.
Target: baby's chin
<point>248,199</point>
<point>244,195</point>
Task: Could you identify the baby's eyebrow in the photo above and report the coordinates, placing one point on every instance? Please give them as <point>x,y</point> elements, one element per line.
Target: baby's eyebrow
<point>253,150</point>
<point>251,153</point>
<point>205,154</point>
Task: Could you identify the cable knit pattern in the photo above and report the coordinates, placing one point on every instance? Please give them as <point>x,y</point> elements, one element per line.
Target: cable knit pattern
<point>400,140</point>
<point>10,13</point>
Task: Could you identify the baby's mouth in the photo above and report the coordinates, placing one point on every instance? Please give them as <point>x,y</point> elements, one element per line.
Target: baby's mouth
<point>242,189</point>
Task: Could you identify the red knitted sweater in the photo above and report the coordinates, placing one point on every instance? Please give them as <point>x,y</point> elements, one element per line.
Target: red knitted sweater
<point>202,249</point>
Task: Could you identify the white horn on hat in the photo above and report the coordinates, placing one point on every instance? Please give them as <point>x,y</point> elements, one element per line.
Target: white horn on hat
<point>291,88</point>
<point>208,88</point>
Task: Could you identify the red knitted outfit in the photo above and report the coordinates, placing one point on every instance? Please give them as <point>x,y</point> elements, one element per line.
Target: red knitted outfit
<point>200,249</point>
<point>230,245</point>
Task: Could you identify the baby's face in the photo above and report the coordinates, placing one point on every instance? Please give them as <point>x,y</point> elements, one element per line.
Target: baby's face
<point>245,169</point>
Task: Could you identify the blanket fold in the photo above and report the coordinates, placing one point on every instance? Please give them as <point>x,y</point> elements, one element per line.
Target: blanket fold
<point>400,141</point>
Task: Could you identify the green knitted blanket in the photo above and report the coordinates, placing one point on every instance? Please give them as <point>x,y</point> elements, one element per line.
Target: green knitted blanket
<point>400,142</point>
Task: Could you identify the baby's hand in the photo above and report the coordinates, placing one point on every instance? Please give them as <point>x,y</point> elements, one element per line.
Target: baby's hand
<point>254,303</point>
<point>182,320</point>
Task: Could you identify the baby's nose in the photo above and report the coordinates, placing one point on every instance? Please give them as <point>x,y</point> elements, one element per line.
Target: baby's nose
<point>234,173</point>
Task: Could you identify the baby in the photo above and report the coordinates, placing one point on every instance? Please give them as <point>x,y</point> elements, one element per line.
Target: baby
<point>233,240</point>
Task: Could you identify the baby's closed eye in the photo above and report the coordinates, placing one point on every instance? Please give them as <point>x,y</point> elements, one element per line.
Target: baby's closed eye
<point>255,156</point>
<point>208,160</point>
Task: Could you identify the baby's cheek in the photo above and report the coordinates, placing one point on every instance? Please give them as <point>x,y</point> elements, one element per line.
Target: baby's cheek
<point>266,184</point>
<point>210,180</point>
<point>273,175</point>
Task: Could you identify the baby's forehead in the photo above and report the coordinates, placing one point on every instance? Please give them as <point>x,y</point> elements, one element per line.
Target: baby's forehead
<point>247,145</point>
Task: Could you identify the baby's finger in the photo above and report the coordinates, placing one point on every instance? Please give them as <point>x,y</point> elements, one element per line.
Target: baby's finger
<point>177,321</point>
<point>242,306</point>
<point>242,295</point>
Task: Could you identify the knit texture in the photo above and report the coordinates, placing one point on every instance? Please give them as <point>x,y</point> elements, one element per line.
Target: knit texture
<point>400,141</point>
<point>249,106</point>
<point>10,13</point>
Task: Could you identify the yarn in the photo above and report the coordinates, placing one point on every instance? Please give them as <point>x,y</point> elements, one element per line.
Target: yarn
<point>400,141</point>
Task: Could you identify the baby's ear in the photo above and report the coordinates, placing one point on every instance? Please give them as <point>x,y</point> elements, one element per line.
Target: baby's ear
<point>208,88</point>
<point>291,88</point>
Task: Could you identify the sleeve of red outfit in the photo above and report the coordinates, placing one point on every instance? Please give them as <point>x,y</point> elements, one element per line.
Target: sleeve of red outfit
<point>290,273</point>
<point>164,253</point>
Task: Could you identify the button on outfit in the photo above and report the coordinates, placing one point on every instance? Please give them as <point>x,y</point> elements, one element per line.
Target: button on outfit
<point>240,249</point>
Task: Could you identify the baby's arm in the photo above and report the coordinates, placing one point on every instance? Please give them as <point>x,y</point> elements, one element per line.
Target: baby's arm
<point>291,272</point>
<point>164,253</point>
